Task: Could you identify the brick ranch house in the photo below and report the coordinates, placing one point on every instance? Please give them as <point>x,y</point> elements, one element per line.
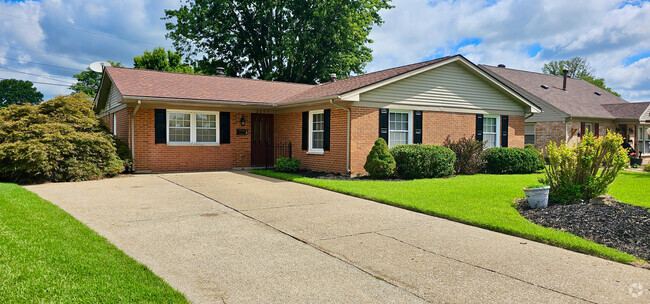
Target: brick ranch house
<point>182,122</point>
<point>573,107</point>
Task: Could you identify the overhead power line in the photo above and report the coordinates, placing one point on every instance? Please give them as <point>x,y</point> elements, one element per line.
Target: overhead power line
<point>43,64</point>
<point>61,79</point>
<point>48,54</point>
<point>45,83</point>
<point>83,30</point>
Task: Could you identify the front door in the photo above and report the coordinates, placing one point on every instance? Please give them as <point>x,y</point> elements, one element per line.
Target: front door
<point>262,140</point>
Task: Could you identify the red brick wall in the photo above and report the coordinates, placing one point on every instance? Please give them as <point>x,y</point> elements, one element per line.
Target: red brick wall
<point>150,156</point>
<point>516,129</point>
<point>288,128</point>
<point>365,130</point>
<point>548,131</point>
<point>436,126</point>
<point>123,124</point>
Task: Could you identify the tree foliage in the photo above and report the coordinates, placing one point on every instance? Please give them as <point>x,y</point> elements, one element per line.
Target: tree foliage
<point>14,91</point>
<point>162,60</point>
<point>57,140</point>
<point>88,81</point>
<point>297,41</point>
<point>578,67</point>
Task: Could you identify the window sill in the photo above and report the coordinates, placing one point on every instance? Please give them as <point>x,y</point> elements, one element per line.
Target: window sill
<point>316,152</point>
<point>192,144</point>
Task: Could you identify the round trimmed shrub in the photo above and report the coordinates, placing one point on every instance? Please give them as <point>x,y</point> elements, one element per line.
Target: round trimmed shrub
<point>512,160</point>
<point>380,162</point>
<point>58,140</point>
<point>423,161</point>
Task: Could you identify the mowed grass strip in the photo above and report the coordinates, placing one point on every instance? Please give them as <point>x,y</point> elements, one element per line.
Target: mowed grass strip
<point>632,188</point>
<point>481,200</point>
<point>48,256</point>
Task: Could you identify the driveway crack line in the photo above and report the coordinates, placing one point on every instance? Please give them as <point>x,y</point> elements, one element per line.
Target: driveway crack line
<point>294,237</point>
<point>487,269</point>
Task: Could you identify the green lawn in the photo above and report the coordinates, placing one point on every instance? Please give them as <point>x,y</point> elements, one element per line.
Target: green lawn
<point>48,256</point>
<point>481,200</point>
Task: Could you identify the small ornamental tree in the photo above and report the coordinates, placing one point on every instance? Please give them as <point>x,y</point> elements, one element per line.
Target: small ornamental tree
<point>469,154</point>
<point>58,140</point>
<point>585,170</point>
<point>380,162</point>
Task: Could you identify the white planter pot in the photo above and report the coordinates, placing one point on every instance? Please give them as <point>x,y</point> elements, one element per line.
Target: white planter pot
<point>537,197</point>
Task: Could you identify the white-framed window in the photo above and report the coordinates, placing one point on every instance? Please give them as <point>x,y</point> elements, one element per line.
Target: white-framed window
<point>316,131</point>
<point>192,128</point>
<point>114,125</point>
<point>491,128</point>
<point>589,127</point>
<point>644,140</point>
<point>399,128</point>
<point>529,134</point>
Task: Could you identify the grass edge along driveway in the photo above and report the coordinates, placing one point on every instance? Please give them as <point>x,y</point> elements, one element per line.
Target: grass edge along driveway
<point>481,200</point>
<point>46,255</point>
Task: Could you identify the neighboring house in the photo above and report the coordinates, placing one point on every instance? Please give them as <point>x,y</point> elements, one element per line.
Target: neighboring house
<point>574,107</point>
<point>183,122</point>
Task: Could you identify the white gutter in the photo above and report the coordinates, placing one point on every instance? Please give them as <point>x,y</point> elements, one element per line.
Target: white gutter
<point>132,120</point>
<point>347,156</point>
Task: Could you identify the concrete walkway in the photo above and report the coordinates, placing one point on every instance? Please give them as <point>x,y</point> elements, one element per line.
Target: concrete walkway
<point>236,237</point>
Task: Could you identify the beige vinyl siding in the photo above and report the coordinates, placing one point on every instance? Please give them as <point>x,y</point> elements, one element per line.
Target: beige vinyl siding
<point>449,86</point>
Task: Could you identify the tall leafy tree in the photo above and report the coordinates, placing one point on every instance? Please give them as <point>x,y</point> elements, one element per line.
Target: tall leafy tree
<point>14,91</point>
<point>298,41</point>
<point>162,60</point>
<point>88,81</point>
<point>578,67</point>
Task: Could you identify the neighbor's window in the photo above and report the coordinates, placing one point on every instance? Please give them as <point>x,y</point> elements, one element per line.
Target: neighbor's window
<point>491,131</point>
<point>192,127</point>
<point>398,128</point>
<point>529,134</point>
<point>316,130</point>
<point>588,128</point>
<point>644,140</point>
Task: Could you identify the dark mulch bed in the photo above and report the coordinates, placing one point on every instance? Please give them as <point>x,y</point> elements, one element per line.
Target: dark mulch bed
<point>617,225</point>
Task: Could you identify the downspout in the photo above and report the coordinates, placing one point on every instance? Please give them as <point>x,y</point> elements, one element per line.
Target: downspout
<point>132,120</point>
<point>347,156</point>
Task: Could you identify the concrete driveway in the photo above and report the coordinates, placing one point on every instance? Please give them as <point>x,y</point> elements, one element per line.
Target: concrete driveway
<point>236,237</point>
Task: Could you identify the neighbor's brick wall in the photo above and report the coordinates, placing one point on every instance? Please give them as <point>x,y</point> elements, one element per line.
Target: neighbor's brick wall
<point>288,128</point>
<point>548,131</point>
<point>150,156</point>
<point>516,131</point>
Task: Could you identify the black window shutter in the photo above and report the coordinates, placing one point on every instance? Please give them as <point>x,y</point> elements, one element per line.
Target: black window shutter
<point>224,127</point>
<point>305,130</point>
<point>479,127</point>
<point>326,129</point>
<point>596,130</point>
<point>383,124</point>
<point>417,127</point>
<point>582,129</point>
<point>160,125</point>
<point>504,130</point>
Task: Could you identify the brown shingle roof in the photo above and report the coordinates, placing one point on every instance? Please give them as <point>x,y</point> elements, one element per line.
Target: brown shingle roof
<point>632,110</point>
<point>148,83</point>
<point>357,82</point>
<point>578,100</point>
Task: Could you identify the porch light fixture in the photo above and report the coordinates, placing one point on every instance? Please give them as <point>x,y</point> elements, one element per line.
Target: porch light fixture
<point>243,120</point>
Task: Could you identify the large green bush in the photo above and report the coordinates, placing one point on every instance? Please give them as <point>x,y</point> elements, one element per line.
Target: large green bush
<point>512,160</point>
<point>423,161</point>
<point>469,154</point>
<point>285,164</point>
<point>585,170</point>
<point>58,140</point>
<point>380,162</point>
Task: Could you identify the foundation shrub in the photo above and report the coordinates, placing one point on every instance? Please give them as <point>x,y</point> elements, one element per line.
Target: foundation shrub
<point>285,164</point>
<point>380,162</point>
<point>469,155</point>
<point>423,161</point>
<point>512,160</point>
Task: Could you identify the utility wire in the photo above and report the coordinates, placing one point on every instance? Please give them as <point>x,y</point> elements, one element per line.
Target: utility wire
<point>45,83</point>
<point>60,79</point>
<point>48,54</point>
<point>83,30</point>
<point>43,64</point>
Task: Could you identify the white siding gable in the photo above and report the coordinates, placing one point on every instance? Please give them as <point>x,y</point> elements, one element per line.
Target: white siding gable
<point>449,86</point>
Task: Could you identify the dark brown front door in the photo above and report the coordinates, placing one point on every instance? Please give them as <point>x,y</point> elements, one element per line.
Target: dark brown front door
<point>262,140</point>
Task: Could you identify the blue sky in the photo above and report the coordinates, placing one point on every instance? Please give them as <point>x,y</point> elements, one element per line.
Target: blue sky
<point>48,41</point>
